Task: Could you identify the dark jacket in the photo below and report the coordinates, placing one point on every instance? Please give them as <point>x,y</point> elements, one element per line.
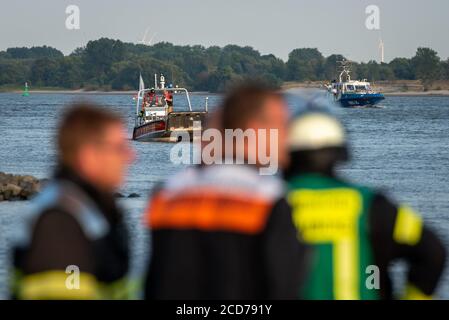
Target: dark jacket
<point>73,228</point>
<point>357,233</point>
<point>222,232</point>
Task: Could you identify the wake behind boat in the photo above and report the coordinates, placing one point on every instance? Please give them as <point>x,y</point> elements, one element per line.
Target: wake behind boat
<point>353,93</point>
<point>156,119</point>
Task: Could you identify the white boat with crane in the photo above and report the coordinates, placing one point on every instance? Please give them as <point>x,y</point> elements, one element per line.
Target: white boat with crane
<point>156,119</point>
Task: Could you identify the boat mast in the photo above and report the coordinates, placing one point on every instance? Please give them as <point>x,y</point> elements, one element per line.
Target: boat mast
<point>344,66</point>
<point>162,81</point>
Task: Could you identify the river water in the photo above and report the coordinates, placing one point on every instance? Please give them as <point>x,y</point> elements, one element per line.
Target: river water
<point>401,147</point>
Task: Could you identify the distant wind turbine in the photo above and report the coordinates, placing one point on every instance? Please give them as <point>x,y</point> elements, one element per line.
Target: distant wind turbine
<point>143,41</point>
<point>382,51</point>
<point>152,38</point>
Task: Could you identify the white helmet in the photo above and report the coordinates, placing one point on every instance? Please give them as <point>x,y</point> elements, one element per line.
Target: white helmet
<point>314,127</point>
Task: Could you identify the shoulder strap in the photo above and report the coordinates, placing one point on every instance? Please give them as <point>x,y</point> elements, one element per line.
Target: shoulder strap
<point>74,201</point>
<point>66,196</point>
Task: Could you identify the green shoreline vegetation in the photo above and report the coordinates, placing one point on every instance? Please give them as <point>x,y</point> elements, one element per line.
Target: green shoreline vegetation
<point>112,65</point>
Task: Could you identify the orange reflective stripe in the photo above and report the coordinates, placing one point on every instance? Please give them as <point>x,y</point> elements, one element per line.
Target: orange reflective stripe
<point>211,212</point>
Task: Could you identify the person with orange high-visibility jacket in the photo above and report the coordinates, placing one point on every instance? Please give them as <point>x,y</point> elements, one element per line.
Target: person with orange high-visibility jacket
<point>224,231</point>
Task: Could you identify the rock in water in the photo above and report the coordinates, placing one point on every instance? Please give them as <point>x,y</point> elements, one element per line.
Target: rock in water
<point>16,187</point>
<point>134,195</point>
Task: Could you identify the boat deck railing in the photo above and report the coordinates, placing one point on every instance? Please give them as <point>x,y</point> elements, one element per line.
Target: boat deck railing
<point>141,95</point>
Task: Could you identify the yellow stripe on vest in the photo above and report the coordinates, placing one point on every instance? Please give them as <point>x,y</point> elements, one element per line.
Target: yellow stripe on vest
<point>53,285</point>
<point>413,293</point>
<point>346,277</point>
<point>408,227</point>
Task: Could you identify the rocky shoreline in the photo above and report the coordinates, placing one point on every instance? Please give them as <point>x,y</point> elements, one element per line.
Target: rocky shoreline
<point>17,187</point>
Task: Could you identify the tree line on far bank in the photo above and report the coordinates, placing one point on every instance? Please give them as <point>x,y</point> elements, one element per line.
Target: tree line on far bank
<point>107,64</point>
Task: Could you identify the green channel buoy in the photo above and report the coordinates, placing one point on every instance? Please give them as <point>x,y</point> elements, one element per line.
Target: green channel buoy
<point>25,90</point>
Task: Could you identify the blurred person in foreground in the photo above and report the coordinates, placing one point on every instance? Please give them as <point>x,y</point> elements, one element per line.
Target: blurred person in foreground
<point>75,244</point>
<point>223,231</point>
<point>356,231</point>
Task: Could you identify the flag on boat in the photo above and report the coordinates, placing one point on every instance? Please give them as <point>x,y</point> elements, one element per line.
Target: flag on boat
<point>141,84</point>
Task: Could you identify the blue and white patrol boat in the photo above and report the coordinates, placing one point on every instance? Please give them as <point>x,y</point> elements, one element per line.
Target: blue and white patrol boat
<point>353,93</point>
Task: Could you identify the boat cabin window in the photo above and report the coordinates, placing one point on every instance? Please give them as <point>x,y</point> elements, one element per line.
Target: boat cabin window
<point>349,87</point>
<point>157,99</point>
<point>360,88</point>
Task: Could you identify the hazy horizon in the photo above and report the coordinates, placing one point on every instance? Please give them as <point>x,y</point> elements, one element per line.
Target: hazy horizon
<point>267,26</point>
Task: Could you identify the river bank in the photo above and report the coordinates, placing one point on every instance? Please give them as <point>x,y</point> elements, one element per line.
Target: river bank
<point>432,93</point>
<point>388,88</point>
<point>435,93</point>
<point>82,91</point>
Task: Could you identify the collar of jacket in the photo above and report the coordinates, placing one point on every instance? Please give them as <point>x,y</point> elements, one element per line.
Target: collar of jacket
<point>105,201</point>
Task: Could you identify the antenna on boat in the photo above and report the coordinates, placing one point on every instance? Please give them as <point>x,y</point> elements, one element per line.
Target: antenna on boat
<point>344,68</point>
<point>162,81</point>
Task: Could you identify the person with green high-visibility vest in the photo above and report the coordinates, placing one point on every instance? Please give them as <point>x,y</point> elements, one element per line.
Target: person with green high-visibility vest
<point>355,231</point>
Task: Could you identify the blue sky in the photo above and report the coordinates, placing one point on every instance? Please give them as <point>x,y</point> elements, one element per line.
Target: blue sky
<point>269,26</point>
